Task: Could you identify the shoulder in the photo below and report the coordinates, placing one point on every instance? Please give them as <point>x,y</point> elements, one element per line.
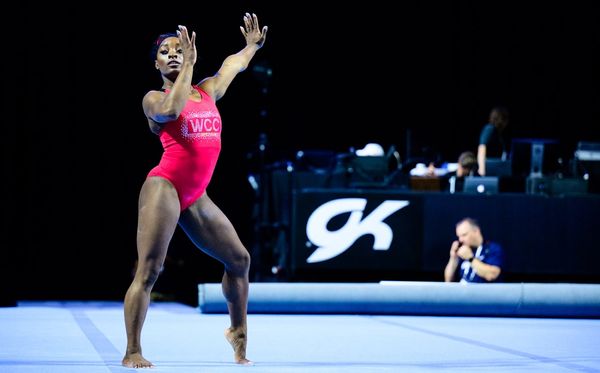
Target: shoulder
<point>488,127</point>
<point>486,133</point>
<point>493,246</point>
<point>152,96</point>
<point>202,90</point>
<point>207,85</point>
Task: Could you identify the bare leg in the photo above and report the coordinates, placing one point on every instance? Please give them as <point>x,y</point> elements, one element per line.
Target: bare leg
<point>157,219</point>
<point>212,232</point>
<point>235,289</point>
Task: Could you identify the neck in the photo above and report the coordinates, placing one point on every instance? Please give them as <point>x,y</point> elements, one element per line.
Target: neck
<point>169,85</point>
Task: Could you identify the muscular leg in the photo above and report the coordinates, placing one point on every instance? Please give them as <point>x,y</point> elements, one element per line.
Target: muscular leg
<point>157,219</point>
<point>212,232</point>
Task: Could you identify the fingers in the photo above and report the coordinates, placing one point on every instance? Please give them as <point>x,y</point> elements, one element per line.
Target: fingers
<point>248,22</point>
<point>464,251</point>
<point>183,34</point>
<point>251,30</point>
<point>251,22</point>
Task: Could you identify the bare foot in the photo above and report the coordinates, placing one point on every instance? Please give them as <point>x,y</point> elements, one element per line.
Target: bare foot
<point>136,361</point>
<point>237,339</point>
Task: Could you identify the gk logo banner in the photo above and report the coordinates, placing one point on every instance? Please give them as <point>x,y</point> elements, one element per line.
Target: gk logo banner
<point>333,243</point>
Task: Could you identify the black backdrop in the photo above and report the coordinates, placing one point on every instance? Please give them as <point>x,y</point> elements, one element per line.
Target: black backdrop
<point>76,147</point>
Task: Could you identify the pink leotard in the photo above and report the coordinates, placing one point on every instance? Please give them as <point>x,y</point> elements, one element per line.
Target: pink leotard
<point>191,144</point>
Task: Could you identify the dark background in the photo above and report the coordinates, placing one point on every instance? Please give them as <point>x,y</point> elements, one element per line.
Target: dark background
<point>76,147</point>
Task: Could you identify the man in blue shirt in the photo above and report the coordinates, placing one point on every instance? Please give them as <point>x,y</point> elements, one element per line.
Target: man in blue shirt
<point>477,259</point>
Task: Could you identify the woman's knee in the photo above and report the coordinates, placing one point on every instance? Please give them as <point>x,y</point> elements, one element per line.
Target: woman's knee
<point>148,273</point>
<point>239,263</point>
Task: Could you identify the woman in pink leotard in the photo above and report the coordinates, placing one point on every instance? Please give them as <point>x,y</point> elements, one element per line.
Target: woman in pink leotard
<point>188,123</point>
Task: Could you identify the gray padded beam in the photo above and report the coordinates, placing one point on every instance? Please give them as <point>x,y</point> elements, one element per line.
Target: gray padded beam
<point>414,298</point>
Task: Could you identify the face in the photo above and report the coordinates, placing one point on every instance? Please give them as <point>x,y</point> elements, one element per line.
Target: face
<point>169,56</point>
<point>460,171</point>
<point>497,119</point>
<point>468,235</point>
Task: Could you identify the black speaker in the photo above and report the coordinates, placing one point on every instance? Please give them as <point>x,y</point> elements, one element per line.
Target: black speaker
<point>556,186</point>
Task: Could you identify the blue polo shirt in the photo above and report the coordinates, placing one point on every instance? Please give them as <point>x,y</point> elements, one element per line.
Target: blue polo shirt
<point>489,253</point>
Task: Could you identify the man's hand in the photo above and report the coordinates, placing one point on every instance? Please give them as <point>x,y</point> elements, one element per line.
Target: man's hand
<point>454,249</point>
<point>465,252</point>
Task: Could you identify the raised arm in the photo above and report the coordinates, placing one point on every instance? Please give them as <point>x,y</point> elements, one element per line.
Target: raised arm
<point>161,107</point>
<point>217,85</point>
<point>450,270</point>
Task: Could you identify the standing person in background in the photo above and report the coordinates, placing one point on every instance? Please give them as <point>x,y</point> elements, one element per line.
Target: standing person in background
<point>478,260</point>
<point>492,141</point>
<point>188,123</point>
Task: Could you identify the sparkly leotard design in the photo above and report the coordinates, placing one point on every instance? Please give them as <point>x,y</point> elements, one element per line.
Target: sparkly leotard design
<point>191,144</point>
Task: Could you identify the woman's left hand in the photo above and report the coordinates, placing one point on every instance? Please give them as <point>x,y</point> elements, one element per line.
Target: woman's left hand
<point>252,32</point>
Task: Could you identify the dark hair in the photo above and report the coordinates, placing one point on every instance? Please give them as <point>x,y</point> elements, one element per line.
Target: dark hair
<point>158,42</point>
<point>468,162</point>
<point>472,222</point>
<point>503,116</point>
<point>501,109</point>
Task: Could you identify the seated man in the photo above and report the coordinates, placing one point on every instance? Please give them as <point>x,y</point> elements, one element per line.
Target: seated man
<point>466,166</point>
<point>478,260</point>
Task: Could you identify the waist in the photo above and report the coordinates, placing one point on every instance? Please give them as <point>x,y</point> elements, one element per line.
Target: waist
<point>193,154</point>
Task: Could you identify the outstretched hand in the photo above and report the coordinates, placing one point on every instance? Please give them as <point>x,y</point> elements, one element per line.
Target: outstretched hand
<point>252,32</point>
<point>188,45</point>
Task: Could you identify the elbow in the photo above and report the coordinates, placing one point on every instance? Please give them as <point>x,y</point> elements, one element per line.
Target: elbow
<point>240,66</point>
<point>236,63</point>
<point>493,274</point>
<point>167,115</point>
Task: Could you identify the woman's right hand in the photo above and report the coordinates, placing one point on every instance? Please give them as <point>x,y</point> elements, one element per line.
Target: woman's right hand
<point>188,45</point>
